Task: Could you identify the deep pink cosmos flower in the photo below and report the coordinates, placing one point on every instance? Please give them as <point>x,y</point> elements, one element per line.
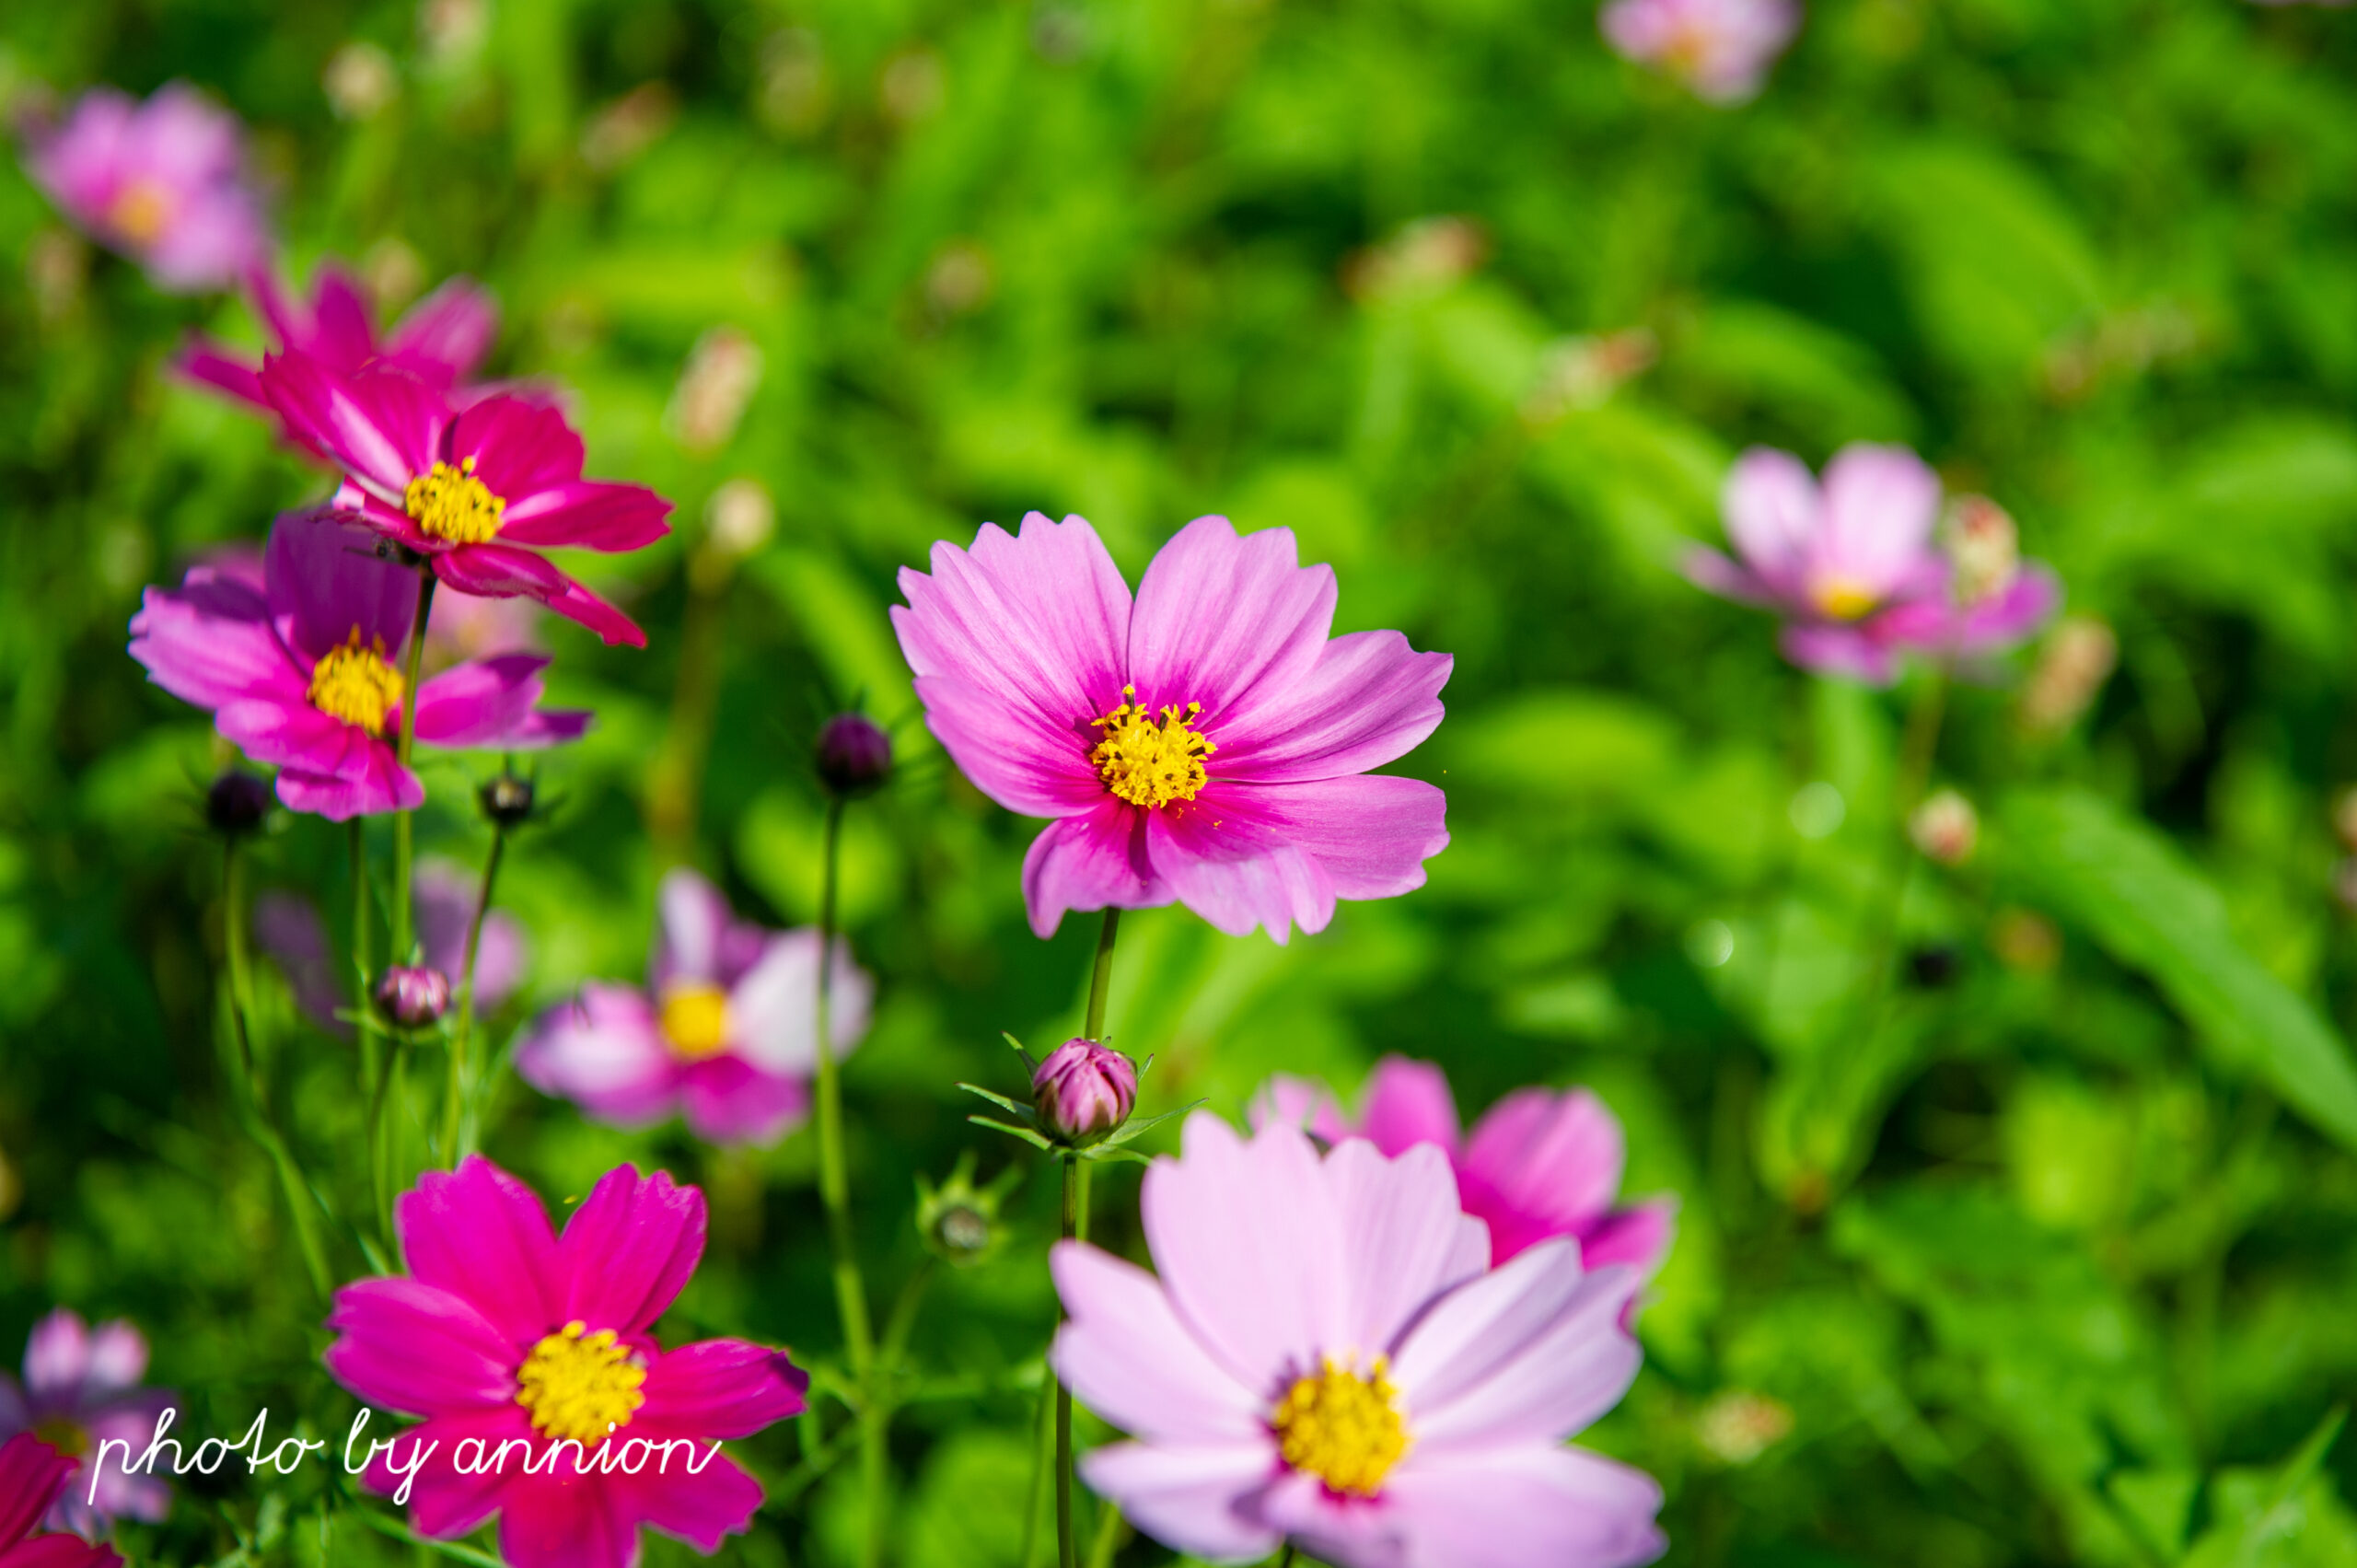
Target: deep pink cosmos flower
<point>1853,566</point>
<point>33,1476</point>
<point>1327,1359</point>
<point>306,674</point>
<point>81,1388</point>
<point>1539,1165</point>
<point>1720,48</point>
<point>164,182</point>
<point>479,491</point>
<point>504,1333</point>
<point>441,340</point>
<point>726,1032</point>
<point>1208,744</point>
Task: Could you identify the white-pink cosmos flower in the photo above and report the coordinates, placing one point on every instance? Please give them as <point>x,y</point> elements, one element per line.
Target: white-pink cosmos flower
<point>1720,48</point>
<point>1327,1359</point>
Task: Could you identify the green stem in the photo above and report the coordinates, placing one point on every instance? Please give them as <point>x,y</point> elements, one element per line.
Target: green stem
<point>1109,1537</point>
<point>834,1184</point>
<point>1921,744</point>
<point>1101,977</point>
<point>371,1043</point>
<point>457,1116</point>
<point>404,927</point>
<point>299,1200</point>
<point>1034,1496</point>
<point>1073,1226</point>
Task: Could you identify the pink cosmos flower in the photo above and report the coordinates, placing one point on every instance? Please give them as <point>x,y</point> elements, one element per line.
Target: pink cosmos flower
<point>1208,744</point>
<point>441,340</point>
<point>81,1388</point>
<point>34,1475</point>
<point>1327,1359</point>
<point>726,1032</point>
<point>306,674</point>
<point>1854,566</point>
<point>1539,1165</point>
<point>164,182</point>
<point>1721,49</point>
<point>532,1357</point>
<point>479,491</point>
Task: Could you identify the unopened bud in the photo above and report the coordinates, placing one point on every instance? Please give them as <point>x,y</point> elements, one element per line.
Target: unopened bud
<point>2344,886</point>
<point>1083,1091</point>
<point>719,380</point>
<point>2077,660</point>
<point>958,1220</point>
<point>237,803</point>
<point>413,995</point>
<point>1946,828</point>
<point>1738,1425</point>
<point>2344,817</point>
<point>507,800</point>
<point>1985,548</point>
<point>854,756</point>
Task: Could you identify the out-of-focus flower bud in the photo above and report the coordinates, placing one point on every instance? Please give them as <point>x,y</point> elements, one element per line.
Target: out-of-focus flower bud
<point>237,803</point>
<point>1984,547</point>
<point>1426,258</point>
<point>960,278</point>
<point>628,126</point>
<point>1583,372</point>
<point>360,80</point>
<point>2344,886</point>
<point>1083,1091</point>
<point>958,1220</point>
<point>1946,828</point>
<point>719,380</point>
<point>854,756</point>
<point>2344,817</point>
<point>413,995</point>
<point>2077,660</point>
<point>737,520</point>
<point>1934,967</point>
<point>914,85</point>
<point>1738,1425</point>
<point>507,800</point>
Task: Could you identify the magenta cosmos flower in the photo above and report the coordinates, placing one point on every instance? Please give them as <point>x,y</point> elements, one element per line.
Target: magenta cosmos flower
<point>1720,48</point>
<point>81,1388</point>
<point>33,1478</point>
<point>305,675</point>
<point>1207,744</point>
<point>1329,1360</point>
<point>479,491</point>
<point>726,1032</point>
<point>164,182</point>
<point>441,340</point>
<point>502,1332</point>
<point>1539,1165</point>
<point>1853,564</point>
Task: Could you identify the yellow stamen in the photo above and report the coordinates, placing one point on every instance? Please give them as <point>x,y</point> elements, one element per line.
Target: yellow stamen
<point>141,210</point>
<point>695,1020</point>
<point>1147,761</point>
<point>358,685</point>
<point>452,504</point>
<point>1843,599</point>
<point>1343,1428</point>
<point>580,1385</point>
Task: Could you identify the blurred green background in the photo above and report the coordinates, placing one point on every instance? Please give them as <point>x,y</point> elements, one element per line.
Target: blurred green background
<point>2045,1253</point>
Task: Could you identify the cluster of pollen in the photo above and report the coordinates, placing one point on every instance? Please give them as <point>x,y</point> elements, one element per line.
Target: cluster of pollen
<point>141,210</point>
<point>452,504</point>
<point>1342,1428</point>
<point>357,684</point>
<point>580,1385</point>
<point>1150,760</point>
<point>1843,599</point>
<point>695,1021</point>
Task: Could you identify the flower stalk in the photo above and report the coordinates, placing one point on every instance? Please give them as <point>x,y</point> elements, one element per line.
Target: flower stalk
<point>257,1104</point>
<point>1075,1227</point>
<point>459,1117</point>
<point>404,927</point>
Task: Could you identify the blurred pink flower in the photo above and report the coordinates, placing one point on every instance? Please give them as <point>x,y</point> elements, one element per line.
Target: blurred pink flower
<point>305,675</point>
<point>163,182</point>
<point>289,929</point>
<point>81,1388</point>
<point>441,340</point>
<point>478,490</point>
<point>1327,1359</point>
<point>464,627</point>
<point>726,1032</point>
<point>1721,49</point>
<point>1207,744</point>
<point>33,1476</point>
<point>504,1332</point>
<point>1539,1165</point>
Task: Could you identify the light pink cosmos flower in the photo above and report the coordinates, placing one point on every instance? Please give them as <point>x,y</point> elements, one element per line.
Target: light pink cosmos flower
<point>1720,48</point>
<point>305,675</point>
<point>505,1333</point>
<point>1539,1165</point>
<point>441,340</point>
<point>33,1476</point>
<point>164,182</point>
<point>1327,1359</point>
<point>479,491</point>
<point>1853,564</point>
<point>81,1388</point>
<point>1207,744</point>
<point>726,1033</point>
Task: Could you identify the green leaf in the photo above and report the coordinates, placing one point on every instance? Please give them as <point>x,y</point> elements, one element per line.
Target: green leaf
<point>2289,1518</point>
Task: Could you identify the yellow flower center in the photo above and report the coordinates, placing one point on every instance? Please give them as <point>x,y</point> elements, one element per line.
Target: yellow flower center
<point>1342,1428</point>
<point>141,210</point>
<point>695,1020</point>
<point>358,685</point>
<point>66,1436</point>
<point>452,504</point>
<point>1843,599</point>
<point>580,1385</point>
<point>1148,760</point>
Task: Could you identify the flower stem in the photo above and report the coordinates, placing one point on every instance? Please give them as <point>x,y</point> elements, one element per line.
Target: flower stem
<point>457,1116</point>
<point>1109,1538</point>
<point>1101,977</point>
<point>372,1044</point>
<point>1076,1228</point>
<point>1034,1496</point>
<point>265,1132</point>
<point>402,925</point>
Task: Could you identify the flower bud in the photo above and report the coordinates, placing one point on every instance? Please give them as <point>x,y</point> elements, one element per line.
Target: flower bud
<point>958,1220</point>
<point>1985,548</point>
<point>237,803</point>
<point>1083,1091</point>
<point>1946,828</point>
<point>507,800</point>
<point>854,756</point>
<point>2344,817</point>
<point>413,995</point>
<point>2078,659</point>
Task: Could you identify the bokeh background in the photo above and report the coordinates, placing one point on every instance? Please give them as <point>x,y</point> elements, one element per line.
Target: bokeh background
<point>2044,1252</point>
